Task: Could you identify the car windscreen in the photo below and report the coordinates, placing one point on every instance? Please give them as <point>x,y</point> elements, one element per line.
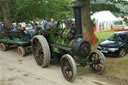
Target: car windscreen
<point>117,37</point>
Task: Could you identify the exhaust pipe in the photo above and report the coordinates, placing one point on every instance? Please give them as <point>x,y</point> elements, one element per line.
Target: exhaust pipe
<point>77,14</point>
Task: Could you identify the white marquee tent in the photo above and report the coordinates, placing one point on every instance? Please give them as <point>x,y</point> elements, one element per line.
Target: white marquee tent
<point>104,20</point>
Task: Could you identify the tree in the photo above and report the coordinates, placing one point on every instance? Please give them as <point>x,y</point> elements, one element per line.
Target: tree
<point>6,13</point>
<point>1,17</point>
<point>30,10</point>
<point>118,7</point>
<point>88,8</point>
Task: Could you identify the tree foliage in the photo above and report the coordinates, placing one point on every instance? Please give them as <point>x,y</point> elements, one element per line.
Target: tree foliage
<point>27,10</point>
<point>118,7</point>
<point>1,17</point>
<point>5,12</point>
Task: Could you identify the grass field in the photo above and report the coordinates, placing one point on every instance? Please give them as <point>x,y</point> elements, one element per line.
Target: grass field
<point>116,66</point>
<point>103,35</point>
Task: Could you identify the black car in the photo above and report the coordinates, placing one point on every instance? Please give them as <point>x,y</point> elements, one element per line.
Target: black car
<point>115,45</point>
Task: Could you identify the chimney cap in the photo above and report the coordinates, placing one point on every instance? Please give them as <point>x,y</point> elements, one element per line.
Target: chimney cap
<point>77,4</point>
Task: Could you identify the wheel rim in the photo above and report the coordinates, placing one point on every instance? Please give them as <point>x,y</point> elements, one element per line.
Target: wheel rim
<point>97,61</point>
<point>67,69</point>
<point>122,53</point>
<point>20,51</point>
<point>38,51</point>
<point>2,47</point>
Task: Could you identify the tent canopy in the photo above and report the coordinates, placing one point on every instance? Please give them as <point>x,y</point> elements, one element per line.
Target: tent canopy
<point>104,20</point>
<point>104,16</point>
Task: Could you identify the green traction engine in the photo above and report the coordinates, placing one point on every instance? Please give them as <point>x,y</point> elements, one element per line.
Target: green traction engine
<point>69,47</point>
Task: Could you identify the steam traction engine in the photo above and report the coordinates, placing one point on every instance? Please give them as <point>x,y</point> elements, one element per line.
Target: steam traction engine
<point>72,49</point>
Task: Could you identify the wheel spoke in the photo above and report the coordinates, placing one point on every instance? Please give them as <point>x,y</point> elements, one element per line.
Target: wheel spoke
<point>95,66</point>
<point>99,67</point>
<point>93,58</point>
<point>37,47</point>
<point>36,41</point>
<point>68,72</point>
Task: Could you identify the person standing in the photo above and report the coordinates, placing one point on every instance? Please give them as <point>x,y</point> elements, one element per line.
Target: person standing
<point>52,24</point>
<point>45,24</point>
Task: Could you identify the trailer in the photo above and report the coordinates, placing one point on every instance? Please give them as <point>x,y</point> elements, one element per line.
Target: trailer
<point>18,38</point>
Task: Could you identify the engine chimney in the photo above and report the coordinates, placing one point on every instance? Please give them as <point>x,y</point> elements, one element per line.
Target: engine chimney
<point>77,14</point>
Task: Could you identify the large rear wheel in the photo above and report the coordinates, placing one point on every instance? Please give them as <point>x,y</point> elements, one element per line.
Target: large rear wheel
<point>41,50</point>
<point>68,67</point>
<point>98,62</point>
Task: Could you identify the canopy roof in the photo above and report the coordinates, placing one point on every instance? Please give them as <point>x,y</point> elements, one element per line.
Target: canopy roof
<point>104,16</point>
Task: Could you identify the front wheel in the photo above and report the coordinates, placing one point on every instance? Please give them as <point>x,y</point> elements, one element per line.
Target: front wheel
<point>122,53</point>
<point>98,62</point>
<point>68,67</point>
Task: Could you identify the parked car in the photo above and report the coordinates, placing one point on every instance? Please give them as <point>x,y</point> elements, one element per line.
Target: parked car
<point>115,45</point>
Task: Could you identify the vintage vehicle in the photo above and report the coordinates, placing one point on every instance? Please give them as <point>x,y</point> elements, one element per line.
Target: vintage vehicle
<point>69,46</point>
<point>8,38</point>
<point>116,45</point>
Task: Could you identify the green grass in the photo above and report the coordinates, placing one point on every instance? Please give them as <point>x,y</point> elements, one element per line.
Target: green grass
<point>125,62</point>
<point>103,35</point>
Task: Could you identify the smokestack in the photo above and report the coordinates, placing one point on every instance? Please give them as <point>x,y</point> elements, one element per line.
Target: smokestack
<point>77,14</point>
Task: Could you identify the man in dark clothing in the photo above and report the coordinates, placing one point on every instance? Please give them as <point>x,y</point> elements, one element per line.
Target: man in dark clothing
<point>45,24</point>
<point>1,27</point>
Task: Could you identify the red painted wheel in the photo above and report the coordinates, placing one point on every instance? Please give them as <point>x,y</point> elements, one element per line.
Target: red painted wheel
<point>3,47</point>
<point>21,51</point>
